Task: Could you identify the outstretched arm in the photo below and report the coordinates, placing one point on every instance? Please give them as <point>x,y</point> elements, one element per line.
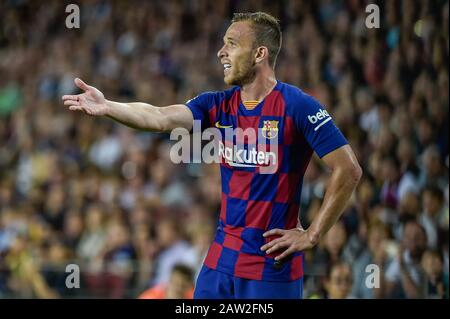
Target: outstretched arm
<point>346,173</point>
<point>136,115</point>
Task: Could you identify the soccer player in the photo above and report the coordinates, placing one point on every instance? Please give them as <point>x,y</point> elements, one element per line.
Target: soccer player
<point>258,248</point>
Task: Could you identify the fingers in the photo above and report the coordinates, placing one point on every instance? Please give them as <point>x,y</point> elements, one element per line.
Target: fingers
<point>291,240</point>
<point>71,102</point>
<point>276,243</point>
<point>70,97</point>
<point>73,105</point>
<point>81,84</point>
<point>82,109</point>
<point>279,245</point>
<point>275,231</point>
<point>286,253</point>
<point>272,243</point>
<point>75,108</point>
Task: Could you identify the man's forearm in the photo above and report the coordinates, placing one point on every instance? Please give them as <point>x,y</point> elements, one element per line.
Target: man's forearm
<point>137,115</point>
<point>339,190</point>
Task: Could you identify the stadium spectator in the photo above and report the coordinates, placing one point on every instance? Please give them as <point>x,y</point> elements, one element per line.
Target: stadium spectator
<point>174,249</point>
<point>404,276</point>
<point>179,286</point>
<point>339,282</point>
<point>434,216</point>
<point>432,263</point>
<point>375,254</point>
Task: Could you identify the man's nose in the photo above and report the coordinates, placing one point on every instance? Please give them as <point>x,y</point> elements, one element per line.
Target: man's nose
<point>221,53</point>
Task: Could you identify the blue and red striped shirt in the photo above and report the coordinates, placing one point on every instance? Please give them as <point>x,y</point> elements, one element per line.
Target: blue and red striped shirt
<point>254,201</point>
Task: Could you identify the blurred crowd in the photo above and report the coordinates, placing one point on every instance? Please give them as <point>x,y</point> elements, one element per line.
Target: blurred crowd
<point>91,192</point>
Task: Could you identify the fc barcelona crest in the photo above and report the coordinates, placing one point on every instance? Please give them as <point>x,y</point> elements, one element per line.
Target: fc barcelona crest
<point>269,129</point>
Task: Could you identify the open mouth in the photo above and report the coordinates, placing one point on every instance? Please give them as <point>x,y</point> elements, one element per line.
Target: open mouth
<point>226,68</point>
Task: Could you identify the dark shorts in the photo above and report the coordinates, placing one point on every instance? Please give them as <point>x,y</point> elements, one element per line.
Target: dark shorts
<point>213,284</point>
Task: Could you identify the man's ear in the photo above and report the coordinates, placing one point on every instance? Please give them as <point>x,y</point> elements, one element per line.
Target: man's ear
<point>261,53</point>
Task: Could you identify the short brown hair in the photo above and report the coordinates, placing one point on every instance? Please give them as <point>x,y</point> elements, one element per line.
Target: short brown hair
<point>183,270</point>
<point>267,31</point>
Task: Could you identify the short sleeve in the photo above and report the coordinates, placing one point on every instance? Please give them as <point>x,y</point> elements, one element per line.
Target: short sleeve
<point>200,106</point>
<point>317,126</point>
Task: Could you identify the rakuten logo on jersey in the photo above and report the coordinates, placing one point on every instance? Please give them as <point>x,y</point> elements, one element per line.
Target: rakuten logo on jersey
<point>318,117</point>
<point>260,153</point>
<point>246,158</point>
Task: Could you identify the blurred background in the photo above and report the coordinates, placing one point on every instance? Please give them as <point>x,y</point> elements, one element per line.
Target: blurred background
<point>89,191</point>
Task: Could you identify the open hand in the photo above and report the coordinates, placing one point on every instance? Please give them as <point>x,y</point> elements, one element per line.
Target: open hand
<point>91,102</point>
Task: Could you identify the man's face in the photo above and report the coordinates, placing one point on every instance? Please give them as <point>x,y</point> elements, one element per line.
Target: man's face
<point>376,239</point>
<point>236,55</point>
<point>432,264</point>
<point>178,286</point>
<point>431,204</point>
<point>414,240</point>
<point>340,282</point>
<point>335,239</point>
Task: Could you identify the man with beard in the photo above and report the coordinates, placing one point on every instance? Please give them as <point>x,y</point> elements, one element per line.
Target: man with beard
<point>258,248</point>
<point>405,277</point>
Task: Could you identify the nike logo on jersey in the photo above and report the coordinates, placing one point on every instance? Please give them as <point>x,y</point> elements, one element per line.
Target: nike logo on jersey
<point>218,125</point>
